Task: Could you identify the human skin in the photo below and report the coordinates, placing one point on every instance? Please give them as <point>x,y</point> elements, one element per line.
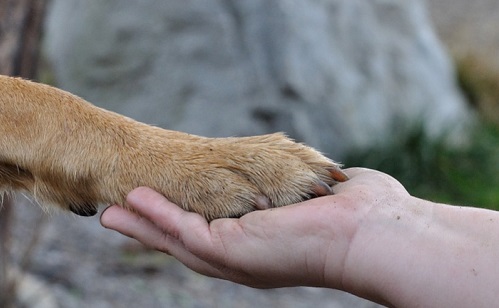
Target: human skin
<point>371,238</point>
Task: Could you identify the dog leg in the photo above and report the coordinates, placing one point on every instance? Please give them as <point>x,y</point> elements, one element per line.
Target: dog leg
<point>69,153</point>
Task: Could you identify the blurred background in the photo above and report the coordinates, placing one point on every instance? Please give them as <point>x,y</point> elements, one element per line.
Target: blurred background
<point>410,88</point>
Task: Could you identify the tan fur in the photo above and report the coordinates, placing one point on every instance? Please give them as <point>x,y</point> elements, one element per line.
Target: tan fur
<point>69,153</point>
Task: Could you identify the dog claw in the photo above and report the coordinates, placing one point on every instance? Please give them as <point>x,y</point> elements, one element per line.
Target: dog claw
<point>337,175</point>
<point>85,210</point>
<point>263,203</point>
<point>322,189</point>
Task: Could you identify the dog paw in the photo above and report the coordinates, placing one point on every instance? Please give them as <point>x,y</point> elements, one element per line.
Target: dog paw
<point>229,177</point>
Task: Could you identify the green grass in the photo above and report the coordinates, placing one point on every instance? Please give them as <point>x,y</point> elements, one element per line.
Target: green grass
<point>430,170</point>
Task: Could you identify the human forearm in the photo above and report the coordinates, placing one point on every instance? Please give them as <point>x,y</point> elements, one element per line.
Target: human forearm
<point>425,254</point>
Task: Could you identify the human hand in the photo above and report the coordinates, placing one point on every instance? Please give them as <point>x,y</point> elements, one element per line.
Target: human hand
<point>301,244</point>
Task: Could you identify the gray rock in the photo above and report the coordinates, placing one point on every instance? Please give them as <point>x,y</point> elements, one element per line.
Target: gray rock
<point>337,74</point>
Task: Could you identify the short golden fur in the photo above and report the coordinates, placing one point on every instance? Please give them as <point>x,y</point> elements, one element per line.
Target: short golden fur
<point>66,152</point>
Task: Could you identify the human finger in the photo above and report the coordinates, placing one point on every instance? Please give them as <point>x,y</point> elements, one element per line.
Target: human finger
<point>132,225</point>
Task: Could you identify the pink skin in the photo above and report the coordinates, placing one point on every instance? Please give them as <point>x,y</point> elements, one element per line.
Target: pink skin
<point>371,238</point>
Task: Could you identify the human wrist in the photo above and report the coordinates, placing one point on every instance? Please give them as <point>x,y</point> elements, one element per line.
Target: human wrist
<point>382,238</point>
